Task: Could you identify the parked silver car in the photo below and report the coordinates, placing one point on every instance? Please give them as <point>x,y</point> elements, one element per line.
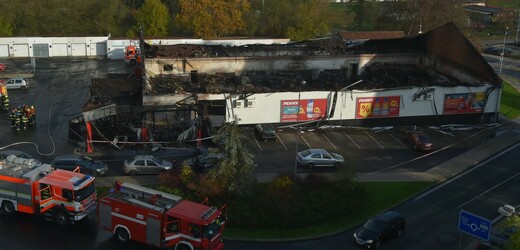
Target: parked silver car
<point>146,164</point>
<point>17,83</point>
<point>319,158</point>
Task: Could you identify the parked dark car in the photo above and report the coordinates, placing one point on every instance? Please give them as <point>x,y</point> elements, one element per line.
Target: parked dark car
<point>497,51</point>
<point>202,163</point>
<point>146,164</point>
<point>85,164</point>
<point>265,132</point>
<point>380,228</point>
<point>419,140</point>
<point>315,157</point>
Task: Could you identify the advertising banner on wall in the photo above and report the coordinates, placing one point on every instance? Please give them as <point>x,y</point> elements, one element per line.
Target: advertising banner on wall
<point>377,107</point>
<point>310,109</point>
<point>464,103</point>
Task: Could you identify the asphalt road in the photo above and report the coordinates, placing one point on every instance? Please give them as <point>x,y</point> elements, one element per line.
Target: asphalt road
<point>432,217</point>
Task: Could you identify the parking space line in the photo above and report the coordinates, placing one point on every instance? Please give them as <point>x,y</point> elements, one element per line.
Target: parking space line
<point>374,139</point>
<point>404,146</point>
<point>305,141</point>
<point>280,140</point>
<point>329,141</point>
<point>258,144</point>
<point>351,140</point>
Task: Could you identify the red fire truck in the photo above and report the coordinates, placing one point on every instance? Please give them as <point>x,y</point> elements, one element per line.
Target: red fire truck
<point>159,219</point>
<point>132,55</point>
<point>59,195</point>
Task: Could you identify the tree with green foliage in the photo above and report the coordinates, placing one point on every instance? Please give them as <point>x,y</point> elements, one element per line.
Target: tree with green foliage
<point>210,19</point>
<point>309,22</point>
<point>514,240</point>
<point>109,17</point>
<point>235,172</point>
<point>154,17</point>
<point>298,19</point>
<point>5,27</point>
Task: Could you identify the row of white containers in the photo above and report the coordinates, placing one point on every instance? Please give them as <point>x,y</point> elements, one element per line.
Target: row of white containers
<point>23,47</point>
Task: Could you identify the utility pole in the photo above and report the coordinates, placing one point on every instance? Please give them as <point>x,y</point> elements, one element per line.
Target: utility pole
<point>517,24</point>
<point>503,50</point>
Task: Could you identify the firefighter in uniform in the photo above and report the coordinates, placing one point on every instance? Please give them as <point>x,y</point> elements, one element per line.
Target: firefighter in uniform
<point>25,121</point>
<point>13,118</point>
<point>5,102</point>
<point>17,119</point>
<point>27,113</point>
<point>32,118</point>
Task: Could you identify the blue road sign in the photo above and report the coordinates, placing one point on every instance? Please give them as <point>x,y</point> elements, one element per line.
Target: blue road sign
<point>474,225</point>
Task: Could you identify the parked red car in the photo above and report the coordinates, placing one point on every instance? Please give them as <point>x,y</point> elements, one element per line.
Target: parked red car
<point>2,67</point>
<point>419,140</point>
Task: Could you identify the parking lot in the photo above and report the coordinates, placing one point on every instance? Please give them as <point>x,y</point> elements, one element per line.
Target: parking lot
<point>365,150</point>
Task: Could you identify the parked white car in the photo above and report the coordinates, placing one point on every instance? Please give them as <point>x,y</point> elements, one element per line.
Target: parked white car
<point>17,83</point>
<point>315,157</point>
<point>146,164</point>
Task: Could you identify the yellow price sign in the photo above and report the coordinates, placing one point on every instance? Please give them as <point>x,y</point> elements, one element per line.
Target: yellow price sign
<point>365,109</point>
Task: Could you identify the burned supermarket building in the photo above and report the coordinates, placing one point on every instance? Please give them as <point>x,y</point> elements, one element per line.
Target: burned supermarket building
<point>350,79</point>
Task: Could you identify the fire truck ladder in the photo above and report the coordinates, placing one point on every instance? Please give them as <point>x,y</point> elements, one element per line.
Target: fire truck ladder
<point>148,197</point>
<point>13,171</point>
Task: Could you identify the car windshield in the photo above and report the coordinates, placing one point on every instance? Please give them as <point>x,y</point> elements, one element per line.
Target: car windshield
<point>305,153</point>
<point>87,160</point>
<point>85,192</point>
<point>212,229</point>
<point>374,225</point>
<point>424,138</point>
<point>157,160</point>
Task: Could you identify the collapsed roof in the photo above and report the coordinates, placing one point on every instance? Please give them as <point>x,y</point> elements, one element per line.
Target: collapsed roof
<point>446,42</point>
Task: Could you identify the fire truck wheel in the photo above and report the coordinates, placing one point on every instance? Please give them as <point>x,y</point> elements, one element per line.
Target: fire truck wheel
<point>8,207</point>
<point>122,235</point>
<point>132,62</point>
<point>181,246</point>
<point>61,218</point>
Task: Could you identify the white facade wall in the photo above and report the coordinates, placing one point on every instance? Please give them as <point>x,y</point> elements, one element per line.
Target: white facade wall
<point>267,106</point>
<point>14,47</point>
<point>57,46</point>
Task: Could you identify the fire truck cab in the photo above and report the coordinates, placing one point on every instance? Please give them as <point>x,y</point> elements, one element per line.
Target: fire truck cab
<point>132,55</point>
<point>159,219</point>
<point>61,196</point>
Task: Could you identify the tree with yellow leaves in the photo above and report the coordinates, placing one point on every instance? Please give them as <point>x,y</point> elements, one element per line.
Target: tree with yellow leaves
<point>210,19</point>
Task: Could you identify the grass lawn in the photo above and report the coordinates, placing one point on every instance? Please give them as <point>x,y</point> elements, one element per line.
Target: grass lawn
<point>510,4</point>
<point>381,196</point>
<point>510,102</point>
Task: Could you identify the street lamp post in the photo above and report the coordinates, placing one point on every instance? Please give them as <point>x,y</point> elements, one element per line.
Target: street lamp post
<point>517,26</point>
<point>298,129</point>
<point>503,50</point>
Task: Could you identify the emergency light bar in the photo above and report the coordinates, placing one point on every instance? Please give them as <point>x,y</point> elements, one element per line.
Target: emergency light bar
<point>208,212</point>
